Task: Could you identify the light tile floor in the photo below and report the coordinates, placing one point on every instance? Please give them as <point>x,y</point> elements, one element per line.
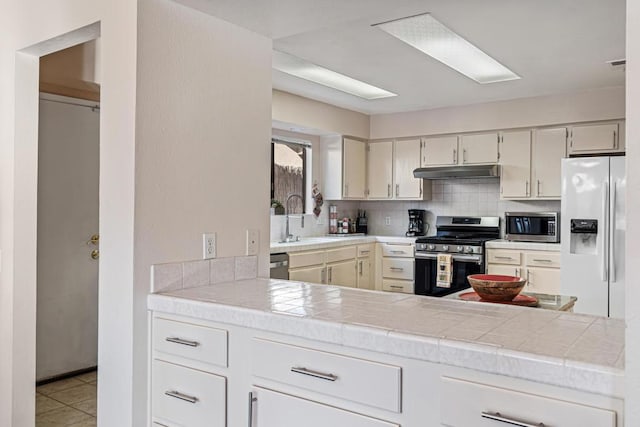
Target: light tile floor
<point>67,403</point>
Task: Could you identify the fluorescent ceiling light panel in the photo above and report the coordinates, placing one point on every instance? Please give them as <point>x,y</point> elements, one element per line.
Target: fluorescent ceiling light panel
<point>298,67</point>
<point>430,36</point>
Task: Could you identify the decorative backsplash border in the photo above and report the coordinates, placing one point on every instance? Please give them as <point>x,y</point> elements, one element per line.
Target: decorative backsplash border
<point>191,274</point>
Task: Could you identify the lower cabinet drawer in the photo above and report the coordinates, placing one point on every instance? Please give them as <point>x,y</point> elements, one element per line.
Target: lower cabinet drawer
<point>274,409</point>
<point>398,268</point>
<point>501,256</point>
<point>397,250</point>
<point>191,341</point>
<point>341,254</point>
<point>469,404</point>
<point>306,259</point>
<point>402,286</point>
<point>186,397</point>
<point>542,259</point>
<point>362,381</point>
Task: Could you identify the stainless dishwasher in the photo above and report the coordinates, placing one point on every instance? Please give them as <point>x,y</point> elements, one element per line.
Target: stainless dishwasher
<point>279,266</point>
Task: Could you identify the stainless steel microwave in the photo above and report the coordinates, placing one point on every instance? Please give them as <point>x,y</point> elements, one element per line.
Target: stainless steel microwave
<point>532,226</point>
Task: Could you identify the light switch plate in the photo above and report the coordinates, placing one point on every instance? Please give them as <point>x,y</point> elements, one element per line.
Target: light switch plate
<point>208,245</point>
<point>253,241</point>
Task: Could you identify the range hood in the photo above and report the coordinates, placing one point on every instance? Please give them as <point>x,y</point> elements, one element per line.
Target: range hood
<point>448,172</point>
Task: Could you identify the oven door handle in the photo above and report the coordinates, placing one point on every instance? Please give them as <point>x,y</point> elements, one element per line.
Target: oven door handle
<point>462,258</point>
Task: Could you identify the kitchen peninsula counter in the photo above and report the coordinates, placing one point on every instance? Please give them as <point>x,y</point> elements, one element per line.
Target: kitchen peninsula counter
<point>579,352</point>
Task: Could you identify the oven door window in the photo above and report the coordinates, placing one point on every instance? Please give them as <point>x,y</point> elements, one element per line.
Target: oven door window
<point>426,276</point>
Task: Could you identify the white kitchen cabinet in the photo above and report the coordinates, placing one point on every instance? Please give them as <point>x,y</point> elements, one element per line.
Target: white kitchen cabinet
<point>365,264</point>
<point>542,280</point>
<point>595,138</point>
<point>315,274</point>
<point>380,170</point>
<point>274,409</point>
<point>342,273</point>
<point>441,151</point>
<point>397,268</point>
<point>187,397</point>
<point>515,159</point>
<point>354,169</point>
<point>549,148</point>
<point>490,406</point>
<point>479,148</point>
<point>344,168</point>
<point>406,159</point>
<point>540,268</point>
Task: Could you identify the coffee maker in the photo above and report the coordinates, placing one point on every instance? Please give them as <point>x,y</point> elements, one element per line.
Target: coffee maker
<point>417,223</point>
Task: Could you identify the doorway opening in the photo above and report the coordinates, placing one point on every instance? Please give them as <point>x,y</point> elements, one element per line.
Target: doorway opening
<point>67,236</point>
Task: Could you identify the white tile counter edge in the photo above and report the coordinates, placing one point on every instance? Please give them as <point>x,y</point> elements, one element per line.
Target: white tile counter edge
<point>488,358</point>
<point>523,246</point>
<point>312,243</point>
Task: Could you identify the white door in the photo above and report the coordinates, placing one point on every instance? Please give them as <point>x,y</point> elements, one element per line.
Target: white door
<point>342,273</point>
<point>543,280</point>
<point>440,151</point>
<point>354,169</point>
<point>617,233</point>
<point>407,159</point>
<point>549,148</point>
<point>380,170</point>
<point>585,196</point>
<point>594,138</point>
<point>273,409</point>
<point>313,274</point>
<point>67,292</point>
<point>479,149</point>
<point>515,158</point>
<point>365,278</point>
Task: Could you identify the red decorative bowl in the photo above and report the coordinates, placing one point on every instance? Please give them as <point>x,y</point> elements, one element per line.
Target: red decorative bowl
<point>494,287</point>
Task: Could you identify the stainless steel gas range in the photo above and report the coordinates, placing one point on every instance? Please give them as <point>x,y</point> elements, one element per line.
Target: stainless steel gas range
<point>463,238</point>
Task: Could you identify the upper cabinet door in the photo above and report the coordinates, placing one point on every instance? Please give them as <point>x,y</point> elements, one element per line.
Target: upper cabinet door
<point>601,138</point>
<point>549,148</point>
<point>479,148</point>
<point>440,151</point>
<point>354,169</point>
<point>407,158</point>
<point>515,158</point>
<point>380,170</point>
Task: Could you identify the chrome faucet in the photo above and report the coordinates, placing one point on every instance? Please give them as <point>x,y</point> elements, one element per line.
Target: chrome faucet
<point>288,236</point>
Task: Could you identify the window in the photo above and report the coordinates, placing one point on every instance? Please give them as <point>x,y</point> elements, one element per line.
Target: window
<point>289,173</point>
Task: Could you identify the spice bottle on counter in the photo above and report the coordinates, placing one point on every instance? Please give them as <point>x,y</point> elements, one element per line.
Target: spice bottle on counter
<point>345,225</point>
<point>333,219</point>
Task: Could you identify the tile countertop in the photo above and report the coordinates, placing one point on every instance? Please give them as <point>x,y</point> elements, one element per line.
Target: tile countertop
<point>568,350</point>
<point>311,243</point>
<point>523,246</point>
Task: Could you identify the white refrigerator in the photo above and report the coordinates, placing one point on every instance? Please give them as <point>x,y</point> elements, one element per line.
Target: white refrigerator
<point>593,234</point>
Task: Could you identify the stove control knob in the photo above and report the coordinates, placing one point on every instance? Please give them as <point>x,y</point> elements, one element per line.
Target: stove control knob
<point>468,250</point>
<point>431,247</point>
<point>460,249</point>
<point>445,248</point>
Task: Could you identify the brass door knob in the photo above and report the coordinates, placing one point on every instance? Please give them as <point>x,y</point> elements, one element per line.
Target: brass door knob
<point>95,254</point>
<point>94,240</point>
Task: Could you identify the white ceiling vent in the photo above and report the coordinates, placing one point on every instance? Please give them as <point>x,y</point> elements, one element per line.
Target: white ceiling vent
<point>618,64</point>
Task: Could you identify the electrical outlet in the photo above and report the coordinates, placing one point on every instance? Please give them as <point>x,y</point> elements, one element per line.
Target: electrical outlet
<point>387,220</point>
<point>253,242</point>
<point>208,245</point>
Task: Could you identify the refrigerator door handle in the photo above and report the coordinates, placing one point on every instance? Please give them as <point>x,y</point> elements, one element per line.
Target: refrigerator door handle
<point>612,245</point>
<point>605,229</point>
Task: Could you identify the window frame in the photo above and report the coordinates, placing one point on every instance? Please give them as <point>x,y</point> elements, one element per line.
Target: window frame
<point>306,146</point>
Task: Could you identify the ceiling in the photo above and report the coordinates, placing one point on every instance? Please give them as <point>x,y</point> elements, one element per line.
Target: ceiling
<point>556,46</point>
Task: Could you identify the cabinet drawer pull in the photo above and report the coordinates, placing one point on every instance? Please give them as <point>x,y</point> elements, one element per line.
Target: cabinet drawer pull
<point>542,260</point>
<point>397,252</point>
<point>502,257</point>
<point>315,374</point>
<point>396,268</point>
<point>396,287</point>
<point>181,396</point>
<point>364,252</point>
<point>497,417</point>
<point>180,341</point>
<point>252,400</point>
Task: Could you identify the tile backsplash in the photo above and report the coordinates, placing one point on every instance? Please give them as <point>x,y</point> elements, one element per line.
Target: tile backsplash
<point>480,197</point>
<point>190,274</point>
